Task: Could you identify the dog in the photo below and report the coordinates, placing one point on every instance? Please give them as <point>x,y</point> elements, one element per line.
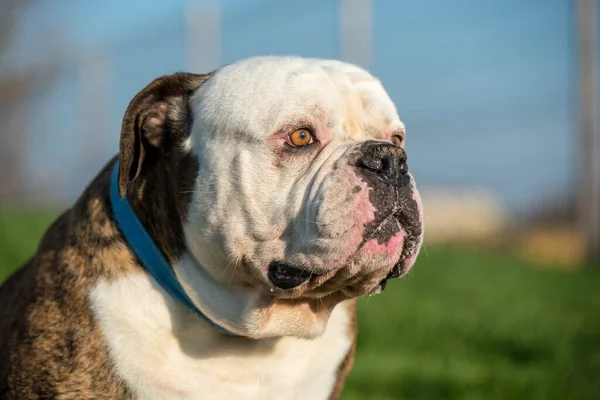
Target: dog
<point>220,254</point>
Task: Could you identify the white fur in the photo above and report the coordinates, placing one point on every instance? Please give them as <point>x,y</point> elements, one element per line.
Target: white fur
<point>163,351</point>
<point>247,206</point>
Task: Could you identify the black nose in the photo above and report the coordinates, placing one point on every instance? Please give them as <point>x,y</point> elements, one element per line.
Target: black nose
<point>386,160</point>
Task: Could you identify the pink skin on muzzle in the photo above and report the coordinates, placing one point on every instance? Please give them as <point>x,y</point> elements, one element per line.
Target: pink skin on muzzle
<point>390,249</point>
<point>363,215</point>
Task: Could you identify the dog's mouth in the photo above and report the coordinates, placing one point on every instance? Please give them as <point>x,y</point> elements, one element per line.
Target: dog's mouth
<point>395,236</point>
<point>286,276</point>
<point>396,272</point>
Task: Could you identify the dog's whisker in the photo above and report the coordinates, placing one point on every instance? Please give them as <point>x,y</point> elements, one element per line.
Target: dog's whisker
<point>322,303</point>
<point>330,222</point>
<point>225,270</point>
<point>425,251</point>
<point>232,274</point>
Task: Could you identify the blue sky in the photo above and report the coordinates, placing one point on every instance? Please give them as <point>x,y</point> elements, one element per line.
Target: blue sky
<point>486,87</point>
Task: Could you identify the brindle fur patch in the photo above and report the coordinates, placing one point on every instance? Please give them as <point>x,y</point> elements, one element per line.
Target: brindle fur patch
<point>50,344</point>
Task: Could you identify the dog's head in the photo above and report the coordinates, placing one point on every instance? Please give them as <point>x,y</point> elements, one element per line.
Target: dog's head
<point>277,187</point>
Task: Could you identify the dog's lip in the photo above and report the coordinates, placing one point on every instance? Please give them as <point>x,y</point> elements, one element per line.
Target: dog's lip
<point>399,270</point>
<point>286,276</point>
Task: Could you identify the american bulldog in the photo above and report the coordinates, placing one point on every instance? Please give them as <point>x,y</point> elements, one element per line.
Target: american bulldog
<point>220,254</point>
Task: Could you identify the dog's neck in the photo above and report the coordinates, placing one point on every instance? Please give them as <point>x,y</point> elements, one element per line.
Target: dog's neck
<point>250,313</point>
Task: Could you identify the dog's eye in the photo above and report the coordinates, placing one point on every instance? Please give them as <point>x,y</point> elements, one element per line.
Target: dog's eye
<point>397,140</point>
<point>301,137</point>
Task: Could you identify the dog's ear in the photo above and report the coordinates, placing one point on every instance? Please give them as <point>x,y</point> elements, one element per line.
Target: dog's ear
<point>158,118</point>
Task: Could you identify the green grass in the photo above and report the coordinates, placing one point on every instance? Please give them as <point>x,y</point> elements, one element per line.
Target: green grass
<point>20,232</point>
<point>465,324</point>
<point>468,324</point>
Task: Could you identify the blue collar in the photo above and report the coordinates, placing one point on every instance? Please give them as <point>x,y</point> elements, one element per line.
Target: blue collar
<point>146,250</point>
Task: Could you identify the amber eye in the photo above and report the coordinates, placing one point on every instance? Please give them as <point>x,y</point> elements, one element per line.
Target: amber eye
<point>301,137</point>
<point>397,140</point>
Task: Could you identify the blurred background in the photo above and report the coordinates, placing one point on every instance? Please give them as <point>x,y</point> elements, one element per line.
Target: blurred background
<point>499,102</point>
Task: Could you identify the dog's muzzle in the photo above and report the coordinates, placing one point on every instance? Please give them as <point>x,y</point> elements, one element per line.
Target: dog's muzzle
<point>384,167</point>
<point>391,237</point>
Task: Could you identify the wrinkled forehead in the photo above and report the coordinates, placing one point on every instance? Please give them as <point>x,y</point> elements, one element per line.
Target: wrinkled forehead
<point>266,93</point>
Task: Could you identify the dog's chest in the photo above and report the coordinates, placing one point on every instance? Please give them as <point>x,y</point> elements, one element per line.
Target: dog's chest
<point>161,357</point>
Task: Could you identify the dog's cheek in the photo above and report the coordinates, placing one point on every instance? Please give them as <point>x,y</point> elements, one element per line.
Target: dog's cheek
<point>330,229</point>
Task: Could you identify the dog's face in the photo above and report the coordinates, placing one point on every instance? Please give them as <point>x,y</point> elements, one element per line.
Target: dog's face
<point>300,187</point>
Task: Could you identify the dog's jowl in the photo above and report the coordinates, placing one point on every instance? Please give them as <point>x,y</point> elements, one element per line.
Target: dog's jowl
<point>219,255</point>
